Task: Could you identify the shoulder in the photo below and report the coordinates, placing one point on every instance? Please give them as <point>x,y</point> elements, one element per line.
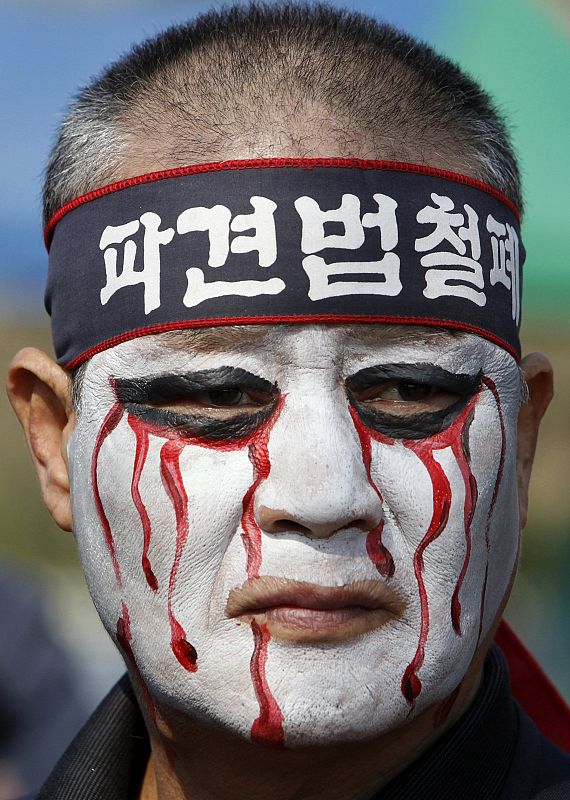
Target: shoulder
<point>540,770</point>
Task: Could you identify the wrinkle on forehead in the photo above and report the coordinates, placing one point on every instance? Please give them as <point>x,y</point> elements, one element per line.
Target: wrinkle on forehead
<point>210,340</point>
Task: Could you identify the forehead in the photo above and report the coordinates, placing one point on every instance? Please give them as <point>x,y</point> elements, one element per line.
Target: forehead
<point>245,336</point>
<point>338,347</point>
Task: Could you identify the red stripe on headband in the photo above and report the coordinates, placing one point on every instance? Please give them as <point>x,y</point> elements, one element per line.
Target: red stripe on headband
<point>272,163</point>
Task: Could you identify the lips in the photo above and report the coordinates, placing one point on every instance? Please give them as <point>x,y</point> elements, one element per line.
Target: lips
<point>301,611</point>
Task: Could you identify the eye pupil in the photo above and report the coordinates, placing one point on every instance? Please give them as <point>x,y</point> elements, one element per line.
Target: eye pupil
<point>225,397</point>
<point>414,391</point>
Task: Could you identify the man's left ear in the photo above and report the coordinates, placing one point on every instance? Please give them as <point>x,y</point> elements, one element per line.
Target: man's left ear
<point>537,371</point>
<point>40,393</point>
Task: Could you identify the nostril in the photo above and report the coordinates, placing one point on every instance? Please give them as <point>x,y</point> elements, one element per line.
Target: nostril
<point>282,524</point>
<point>312,524</point>
<point>287,526</point>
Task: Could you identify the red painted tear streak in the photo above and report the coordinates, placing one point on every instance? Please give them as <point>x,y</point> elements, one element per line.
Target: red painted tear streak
<point>124,638</point>
<point>443,710</point>
<point>174,485</point>
<point>251,534</point>
<point>259,457</point>
<point>109,424</point>
<point>453,437</point>
<point>268,727</point>
<point>141,453</point>
<point>441,490</point>
<point>411,684</point>
<point>378,553</point>
<point>482,603</point>
<point>490,384</point>
<point>471,493</point>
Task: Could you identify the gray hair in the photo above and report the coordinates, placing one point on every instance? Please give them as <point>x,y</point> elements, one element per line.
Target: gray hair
<point>187,92</point>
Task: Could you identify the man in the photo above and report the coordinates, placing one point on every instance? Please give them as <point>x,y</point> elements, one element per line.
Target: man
<point>296,446</point>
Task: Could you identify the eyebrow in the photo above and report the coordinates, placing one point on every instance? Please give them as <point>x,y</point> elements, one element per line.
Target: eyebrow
<point>208,340</point>
<point>386,333</point>
<point>166,386</point>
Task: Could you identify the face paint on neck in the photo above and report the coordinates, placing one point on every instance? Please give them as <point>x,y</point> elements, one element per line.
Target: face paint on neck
<point>321,476</point>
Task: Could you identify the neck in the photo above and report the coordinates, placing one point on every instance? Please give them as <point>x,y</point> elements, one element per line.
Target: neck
<point>190,762</point>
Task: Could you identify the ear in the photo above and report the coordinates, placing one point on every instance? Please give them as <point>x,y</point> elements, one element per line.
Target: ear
<point>40,393</point>
<point>537,371</point>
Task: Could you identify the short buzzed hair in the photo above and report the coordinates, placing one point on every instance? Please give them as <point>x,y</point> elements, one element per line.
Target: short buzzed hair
<point>228,75</point>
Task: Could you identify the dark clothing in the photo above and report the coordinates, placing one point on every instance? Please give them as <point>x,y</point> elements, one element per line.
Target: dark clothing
<point>107,760</point>
<point>494,752</point>
<point>41,708</point>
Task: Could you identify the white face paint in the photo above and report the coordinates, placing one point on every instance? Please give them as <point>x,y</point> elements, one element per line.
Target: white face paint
<point>324,480</point>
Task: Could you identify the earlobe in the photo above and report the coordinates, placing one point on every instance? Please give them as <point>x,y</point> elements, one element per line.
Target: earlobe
<point>537,371</point>
<point>40,393</point>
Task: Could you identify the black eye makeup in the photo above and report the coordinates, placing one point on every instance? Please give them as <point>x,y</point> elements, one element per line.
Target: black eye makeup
<point>218,404</point>
<point>410,401</point>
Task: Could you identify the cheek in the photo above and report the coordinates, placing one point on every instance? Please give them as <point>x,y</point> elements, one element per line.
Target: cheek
<point>164,529</point>
<point>445,496</point>
<point>153,512</point>
<point>494,456</point>
<point>452,530</point>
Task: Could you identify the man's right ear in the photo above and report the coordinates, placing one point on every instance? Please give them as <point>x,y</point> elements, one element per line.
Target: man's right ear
<point>40,393</point>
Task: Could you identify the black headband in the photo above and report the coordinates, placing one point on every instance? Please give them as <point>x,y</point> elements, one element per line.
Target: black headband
<point>283,240</point>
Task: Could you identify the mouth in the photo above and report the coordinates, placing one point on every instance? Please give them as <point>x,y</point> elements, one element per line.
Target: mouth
<point>305,612</point>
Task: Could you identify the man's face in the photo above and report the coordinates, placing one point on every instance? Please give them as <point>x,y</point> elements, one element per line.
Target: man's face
<point>299,532</point>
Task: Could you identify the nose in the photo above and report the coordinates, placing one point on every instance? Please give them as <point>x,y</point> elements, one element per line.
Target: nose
<point>317,483</point>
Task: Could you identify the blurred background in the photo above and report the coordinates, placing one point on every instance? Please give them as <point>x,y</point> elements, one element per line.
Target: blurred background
<point>519,51</point>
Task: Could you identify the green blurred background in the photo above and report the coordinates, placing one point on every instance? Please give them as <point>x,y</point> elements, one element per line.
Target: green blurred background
<point>518,49</point>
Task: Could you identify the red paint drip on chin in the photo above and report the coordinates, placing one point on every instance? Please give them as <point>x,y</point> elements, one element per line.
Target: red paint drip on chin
<point>141,453</point>
<point>377,551</point>
<point>268,727</point>
<point>174,485</point>
<point>490,384</point>
<point>109,424</point>
<point>124,638</point>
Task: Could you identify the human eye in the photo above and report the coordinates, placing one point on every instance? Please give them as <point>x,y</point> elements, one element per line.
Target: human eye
<point>410,400</point>
<point>408,397</point>
<point>224,398</point>
<point>222,403</point>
